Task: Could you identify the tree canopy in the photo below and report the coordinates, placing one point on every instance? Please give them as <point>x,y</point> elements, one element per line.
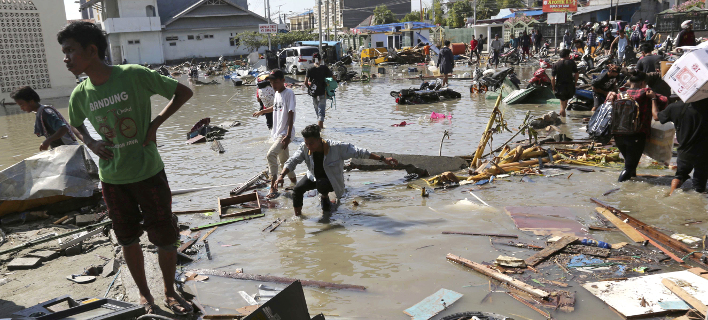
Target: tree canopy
<point>412,16</point>
<point>437,13</point>
<point>383,15</point>
<point>457,15</point>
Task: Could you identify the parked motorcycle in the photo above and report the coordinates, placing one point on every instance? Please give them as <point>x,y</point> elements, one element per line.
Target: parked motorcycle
<point>342,73</point>
<point>493,80</point>
<point>511,56</point>
<point>581,101</point>
<point>545,49</point>
<point>426,93</point>
<point>540,77</point>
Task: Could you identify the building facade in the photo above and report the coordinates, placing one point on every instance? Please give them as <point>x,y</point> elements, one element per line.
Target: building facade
<point>303,21</point>
<point>156,31</point>
<point>29,52</point>
<point>347,14</point>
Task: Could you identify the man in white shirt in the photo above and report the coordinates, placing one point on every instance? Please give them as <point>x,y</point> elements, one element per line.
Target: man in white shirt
<point>496,50</point>
<point>283,110</point>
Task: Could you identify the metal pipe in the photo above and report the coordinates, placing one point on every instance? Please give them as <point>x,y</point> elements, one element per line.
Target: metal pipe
<point>32,243</point>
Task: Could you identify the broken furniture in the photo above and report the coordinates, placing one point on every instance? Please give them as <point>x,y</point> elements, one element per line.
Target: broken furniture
<point>240,199</point>
<point>88,308</point>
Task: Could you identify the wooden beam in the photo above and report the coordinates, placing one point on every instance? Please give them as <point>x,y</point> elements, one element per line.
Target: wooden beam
<point>189,243</point>
<point>221,223</point>
<point>499,276</point>
<point>208,234</point>
<point>628,230</point>
<point>667,252</point>
<point>549,250</point>
<point>685,296</point>
<point>482,234</point>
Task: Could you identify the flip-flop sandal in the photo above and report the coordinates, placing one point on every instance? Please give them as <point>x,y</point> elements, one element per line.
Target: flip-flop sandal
<point>149,307</point>
<point>272,195</point>
<point>80,279</point>
<point>174,303</point>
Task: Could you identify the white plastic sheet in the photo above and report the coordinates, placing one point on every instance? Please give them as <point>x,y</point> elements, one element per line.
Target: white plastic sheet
<point>65,170</point>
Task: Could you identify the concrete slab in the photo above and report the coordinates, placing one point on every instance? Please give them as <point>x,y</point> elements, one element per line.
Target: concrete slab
<point>45,255</point>
<point>110,268</point>
<point>422,165</point>
<point>85,219</point>
<point>24,263</point>
<point>74,250</point>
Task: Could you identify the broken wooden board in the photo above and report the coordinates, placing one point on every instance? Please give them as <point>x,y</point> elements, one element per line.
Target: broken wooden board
<point>641,296</point>
<point>685,296</point>
<point>586,250</point>
<point>628,230</point>
<point>547,221</point>
<point>551,249</point>
<point>499,276</point>
<point>240,199</point>
<point>433,304</point>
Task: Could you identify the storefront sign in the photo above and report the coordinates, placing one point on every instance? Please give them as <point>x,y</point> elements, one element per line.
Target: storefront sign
<point>560,5</point>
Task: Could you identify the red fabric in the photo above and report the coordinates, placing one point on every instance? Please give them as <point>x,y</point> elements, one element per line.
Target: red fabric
<point>473,44</point>
<point>644,102</point>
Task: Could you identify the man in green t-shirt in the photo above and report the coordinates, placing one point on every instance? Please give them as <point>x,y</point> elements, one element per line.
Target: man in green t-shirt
<point>116,101</point>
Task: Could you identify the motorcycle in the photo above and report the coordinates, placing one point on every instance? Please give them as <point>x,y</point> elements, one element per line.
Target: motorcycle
<point>342,74</point>
<point>511,56</point>
<point>426,93</point>
<point>581,101</point>
<point>667,45</point>
<point>545,49</point>
<point>493,80</point>
<point>630,57</point>
<point>540,77</point>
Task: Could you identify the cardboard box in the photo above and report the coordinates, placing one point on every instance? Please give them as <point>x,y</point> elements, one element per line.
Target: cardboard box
<point>688,77</point>
<point>665,65</point>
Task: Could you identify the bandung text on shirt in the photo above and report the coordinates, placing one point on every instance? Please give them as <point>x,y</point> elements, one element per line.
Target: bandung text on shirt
<point>105,102</point>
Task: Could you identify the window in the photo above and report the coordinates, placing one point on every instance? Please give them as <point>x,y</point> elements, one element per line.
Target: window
<point>190,37</point>
<point>150,11</point>
<point>133,41</point>
<point>208,36</point>
<point>379,44</point>
<point>234,41</point>
<point>290,53</point>
<point>172,44</point>
<point>306,52</point>
<point>172,38</point>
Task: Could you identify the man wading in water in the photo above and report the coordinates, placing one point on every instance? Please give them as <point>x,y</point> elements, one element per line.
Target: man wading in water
<point>325,166</point>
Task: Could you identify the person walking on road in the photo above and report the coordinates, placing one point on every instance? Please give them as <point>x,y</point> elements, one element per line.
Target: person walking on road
<point>564,79</point>
<point>325,167</point>
<point>473,48</point>
<point>317,87</point>
<point>446,62</point>
<point>496,47</point>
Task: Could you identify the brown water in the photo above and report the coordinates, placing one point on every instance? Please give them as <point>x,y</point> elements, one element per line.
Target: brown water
<point>392,242</point>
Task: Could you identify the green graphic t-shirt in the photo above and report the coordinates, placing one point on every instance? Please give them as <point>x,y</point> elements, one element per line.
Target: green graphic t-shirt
<point>120,112</point>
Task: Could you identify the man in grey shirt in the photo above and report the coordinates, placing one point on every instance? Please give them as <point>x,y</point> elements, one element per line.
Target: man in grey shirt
<point>496,50</point>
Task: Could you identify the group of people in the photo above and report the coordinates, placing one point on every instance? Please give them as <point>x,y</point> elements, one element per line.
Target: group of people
<point>132,174</point>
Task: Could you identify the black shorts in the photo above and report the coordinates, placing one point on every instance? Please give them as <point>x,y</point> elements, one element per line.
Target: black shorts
<point>565,91</point>
<point>684,166</point>
<point>148,201</point>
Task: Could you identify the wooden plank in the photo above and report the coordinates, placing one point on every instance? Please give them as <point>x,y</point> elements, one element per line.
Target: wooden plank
<point>628,230</point>
<point>667,252</point>
<point>685,296</point>
<point>433,304</point>
<point>482,234</point>
<point>221,223</point>
<point>189,243</point>
<point>276,279</point>
<point>193,211</point>
<point>499,276</point>
<point>240,199</point>
<point>208,234</point>
<point>553,248</point>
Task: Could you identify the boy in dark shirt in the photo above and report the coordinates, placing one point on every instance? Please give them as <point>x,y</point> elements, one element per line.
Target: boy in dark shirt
<point>603,85</point>
<point>315,81</point>
<point>691,121</point>
<point>48,123</point>
<point>564,77</point>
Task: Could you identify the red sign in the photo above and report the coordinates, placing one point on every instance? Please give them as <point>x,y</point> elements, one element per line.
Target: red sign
<point>267,28</point>
<point>560,5</point>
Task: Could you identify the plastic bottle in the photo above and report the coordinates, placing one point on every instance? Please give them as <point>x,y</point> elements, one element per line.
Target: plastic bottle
<point>595,243</point>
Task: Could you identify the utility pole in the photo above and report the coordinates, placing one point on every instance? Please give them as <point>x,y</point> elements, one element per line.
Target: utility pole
<point>327,15</point>
<point>421,10</point>
<point>474,15</point>
<point>319,23</point>
<point>269,21</point>
<point>336,13</point>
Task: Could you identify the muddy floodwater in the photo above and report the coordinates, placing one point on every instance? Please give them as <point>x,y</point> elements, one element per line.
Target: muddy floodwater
<point>392,242</point>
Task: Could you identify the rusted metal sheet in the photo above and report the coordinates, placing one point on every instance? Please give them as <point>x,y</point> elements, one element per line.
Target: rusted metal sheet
<point>557,221</point>
<point>433,304</point>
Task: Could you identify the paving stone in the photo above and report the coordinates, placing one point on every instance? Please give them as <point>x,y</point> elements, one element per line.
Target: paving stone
<point>24,263</point>
<point>45,255</point>
<point>85,219</point>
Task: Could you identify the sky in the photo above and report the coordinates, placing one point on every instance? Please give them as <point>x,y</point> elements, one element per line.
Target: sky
<point>72,8</point>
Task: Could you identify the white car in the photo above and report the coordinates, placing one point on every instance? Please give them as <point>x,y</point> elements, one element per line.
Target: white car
<point>296,60</point>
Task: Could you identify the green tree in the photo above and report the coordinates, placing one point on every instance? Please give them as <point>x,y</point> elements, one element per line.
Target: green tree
<point>412,16</point>
<point>512,4</point>
<point>457,15</point>
<point>486,8</point>
<point>252,40</point>
<point>288,38</point>
<point>438,15</point>
<point>383,15</point>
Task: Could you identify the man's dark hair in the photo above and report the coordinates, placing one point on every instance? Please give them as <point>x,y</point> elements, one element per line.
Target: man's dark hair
<point>311,131</point>
<point>647,47</point>
<point>565,53</point>
<point>25,93</point>
<point>637,76</point>
<point>447,43</point>
<point>86,34</point>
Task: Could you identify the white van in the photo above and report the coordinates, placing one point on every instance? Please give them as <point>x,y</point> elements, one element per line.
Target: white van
<point>296,60</point>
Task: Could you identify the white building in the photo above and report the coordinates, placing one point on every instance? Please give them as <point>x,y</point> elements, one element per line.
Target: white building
<point>29,52</point>
<point>155,31</point>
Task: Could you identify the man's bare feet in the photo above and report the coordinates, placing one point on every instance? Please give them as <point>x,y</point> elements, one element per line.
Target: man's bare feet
<point>177,304</point>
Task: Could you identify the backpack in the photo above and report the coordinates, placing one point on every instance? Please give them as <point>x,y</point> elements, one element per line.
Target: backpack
<point>626,117</point>
<point>636,36</point>
<point>600,122</point>
<point>330,89</point>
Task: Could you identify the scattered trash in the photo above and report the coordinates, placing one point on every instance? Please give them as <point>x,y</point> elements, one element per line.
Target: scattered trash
<point>511,262</point>
<point>433,304</point>
<point>276,279</point>
<point>685,238</point>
